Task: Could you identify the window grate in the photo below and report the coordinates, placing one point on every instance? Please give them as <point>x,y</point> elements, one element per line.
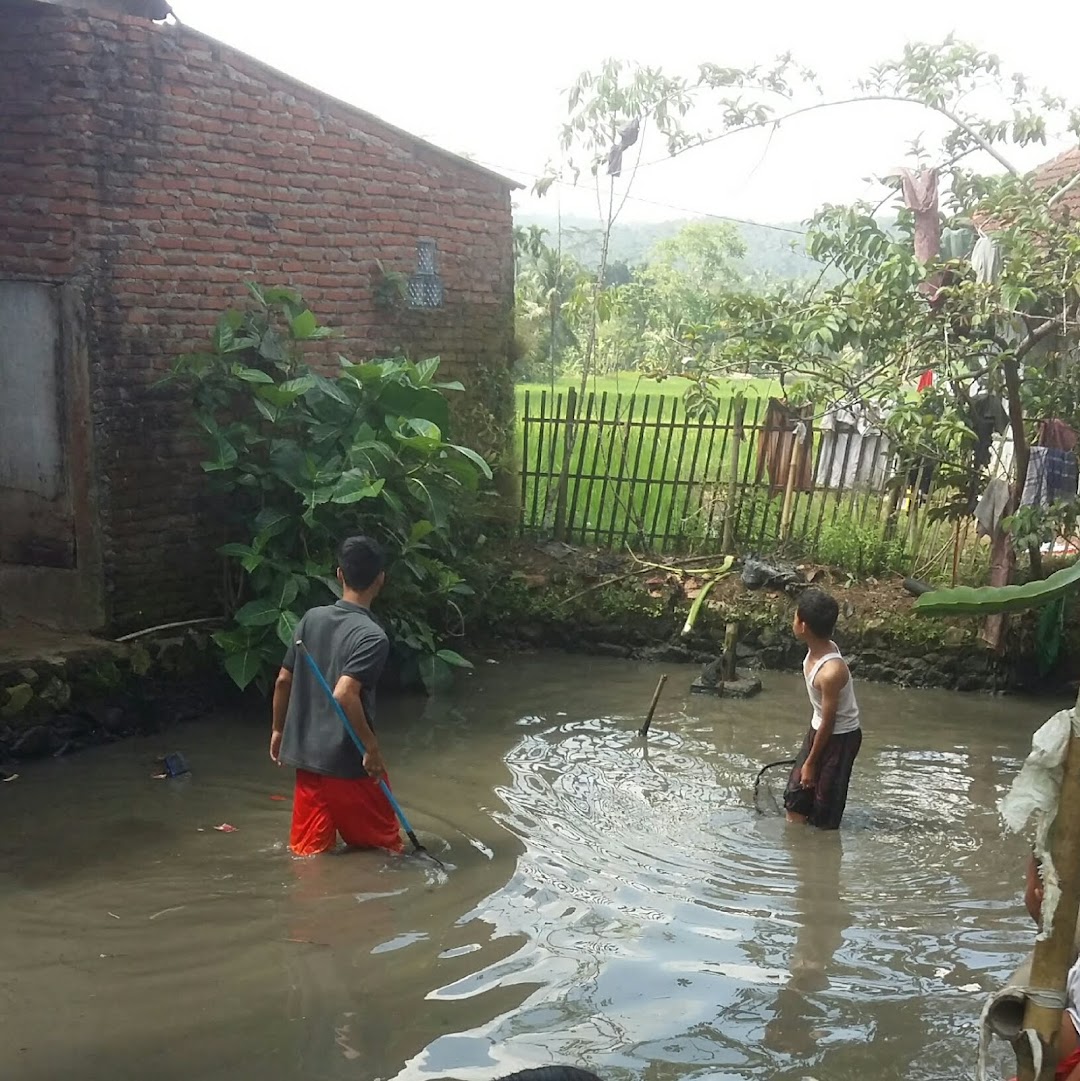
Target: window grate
<point>425,287</point>
<point>425,291</point>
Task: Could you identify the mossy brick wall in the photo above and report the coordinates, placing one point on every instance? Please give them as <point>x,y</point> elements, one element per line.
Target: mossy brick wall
<point>159,171</point>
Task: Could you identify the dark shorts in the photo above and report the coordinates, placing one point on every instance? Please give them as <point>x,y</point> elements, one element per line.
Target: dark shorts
<point>824,804</point>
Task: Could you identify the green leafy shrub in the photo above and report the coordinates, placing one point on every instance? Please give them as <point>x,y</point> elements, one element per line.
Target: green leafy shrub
<point>861,549</point>
<point>305,460</point>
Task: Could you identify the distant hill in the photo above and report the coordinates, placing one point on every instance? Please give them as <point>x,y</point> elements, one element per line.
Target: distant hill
<point>774,252</point>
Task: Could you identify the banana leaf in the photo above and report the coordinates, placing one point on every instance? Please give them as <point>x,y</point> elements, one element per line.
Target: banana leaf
<point>989,600</point>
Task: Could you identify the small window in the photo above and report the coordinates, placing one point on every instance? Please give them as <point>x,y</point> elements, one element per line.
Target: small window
<point>425,287</point>
<point>425,257</point>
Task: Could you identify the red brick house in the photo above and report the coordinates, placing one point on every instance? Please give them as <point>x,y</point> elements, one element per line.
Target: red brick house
<point>146,173</point>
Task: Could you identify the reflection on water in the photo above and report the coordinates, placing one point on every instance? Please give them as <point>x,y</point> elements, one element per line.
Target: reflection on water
<point>609,905</point>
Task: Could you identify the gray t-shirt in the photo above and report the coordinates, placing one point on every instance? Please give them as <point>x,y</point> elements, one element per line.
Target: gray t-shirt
<point>343,640</point>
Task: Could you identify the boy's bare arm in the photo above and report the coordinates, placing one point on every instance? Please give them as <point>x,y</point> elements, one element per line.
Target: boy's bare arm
<point>282,690</point>
<point>347,693</point>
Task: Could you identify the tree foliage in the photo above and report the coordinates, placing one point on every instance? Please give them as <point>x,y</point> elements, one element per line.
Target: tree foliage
<point>304,460</point>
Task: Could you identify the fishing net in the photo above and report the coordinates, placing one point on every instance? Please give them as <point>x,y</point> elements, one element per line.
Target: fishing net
<point>769,787</point>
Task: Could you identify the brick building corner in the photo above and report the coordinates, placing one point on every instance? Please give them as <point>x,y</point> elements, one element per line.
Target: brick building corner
<point>147,172</point>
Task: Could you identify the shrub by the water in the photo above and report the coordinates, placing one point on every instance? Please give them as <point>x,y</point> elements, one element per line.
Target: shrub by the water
<point>304,460</point>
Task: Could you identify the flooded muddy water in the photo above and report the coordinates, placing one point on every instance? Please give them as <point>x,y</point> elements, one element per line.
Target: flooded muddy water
<point>608,905</point>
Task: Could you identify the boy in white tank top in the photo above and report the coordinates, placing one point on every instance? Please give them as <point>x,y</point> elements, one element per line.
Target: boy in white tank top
<point>817,789</point>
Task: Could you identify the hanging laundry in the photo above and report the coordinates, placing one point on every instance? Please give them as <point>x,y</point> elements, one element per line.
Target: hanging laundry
<point>920,192</point>
<point>778,440</point>
<point>627,137</point>
<point>986,260</point>
<point>854,453</point>
<point>1051,475</point>
<point>988,418</point>
<point>1052,472</point>
<point>1057,435</point>
<point>957,244</point>
<point>992,505</point>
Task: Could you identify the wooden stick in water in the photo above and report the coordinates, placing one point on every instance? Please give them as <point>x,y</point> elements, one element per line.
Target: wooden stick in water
<point>652,706</point>
<point>1053,955</point>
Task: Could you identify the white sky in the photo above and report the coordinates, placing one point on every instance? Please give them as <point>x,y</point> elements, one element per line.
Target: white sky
<point>485,78</point>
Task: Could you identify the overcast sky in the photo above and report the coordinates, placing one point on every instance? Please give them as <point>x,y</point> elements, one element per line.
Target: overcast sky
<point>485,78</point>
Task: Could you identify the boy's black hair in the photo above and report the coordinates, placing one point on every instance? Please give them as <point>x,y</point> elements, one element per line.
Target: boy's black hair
<point>361,561</point>
<point>819,612</point>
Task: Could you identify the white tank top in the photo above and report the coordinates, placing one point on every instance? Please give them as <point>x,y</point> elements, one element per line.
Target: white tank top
<point>847,709</point>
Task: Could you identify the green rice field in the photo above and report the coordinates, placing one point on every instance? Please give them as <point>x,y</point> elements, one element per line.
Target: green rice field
<point>641,473</point>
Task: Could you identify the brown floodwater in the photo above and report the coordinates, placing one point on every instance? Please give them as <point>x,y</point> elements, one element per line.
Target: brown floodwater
<point>607,905</point>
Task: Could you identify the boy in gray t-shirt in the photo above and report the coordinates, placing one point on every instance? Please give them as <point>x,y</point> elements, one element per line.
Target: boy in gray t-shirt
<point>337,790</point>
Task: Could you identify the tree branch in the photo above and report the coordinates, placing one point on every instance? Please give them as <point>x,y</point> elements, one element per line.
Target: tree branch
<point>952,117</point>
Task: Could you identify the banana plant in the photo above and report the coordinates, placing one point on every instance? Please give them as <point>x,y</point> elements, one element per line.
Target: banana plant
<point>990,600</point>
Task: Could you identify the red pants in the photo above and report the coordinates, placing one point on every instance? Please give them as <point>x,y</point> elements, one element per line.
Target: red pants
<point>357,808</point>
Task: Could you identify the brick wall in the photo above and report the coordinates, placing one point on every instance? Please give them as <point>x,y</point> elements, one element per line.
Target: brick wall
<point>160,171</point>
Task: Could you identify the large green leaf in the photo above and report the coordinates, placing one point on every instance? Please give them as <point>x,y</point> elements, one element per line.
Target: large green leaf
<point>455,660</point>
<point>272,347</point>
<point>363,373</point>
<point>420,530</point>
<point>291,464</point>
<point>300,385</point>
<point>261,612</point>
<point>425,370</point>
<point>227,454</point>
<point>303,325</point>
<point>331,390</point>
<point>225,330</point>
<point>436,674</point>
<point>355,486</point>
<point>286,628</point>
<point>270,412</point>
<point>271,522</point>
<point>237,551</point>
<point>402,400</point>
<point>243,666</point>
<point>475,458</point>
<point>990,600</point>
<point>277,396</point>
<point>283,593</point>
<point>252,375</point>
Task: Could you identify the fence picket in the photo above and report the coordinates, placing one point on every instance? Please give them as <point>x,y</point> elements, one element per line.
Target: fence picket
<point>616,470</point>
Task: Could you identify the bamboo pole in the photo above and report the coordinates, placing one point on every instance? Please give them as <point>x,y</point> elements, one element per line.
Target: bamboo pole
<point>793,472</point>
<point>728,544</point>
<point>652,705</point>
<point>1053,955</point>
<point>569,438</point>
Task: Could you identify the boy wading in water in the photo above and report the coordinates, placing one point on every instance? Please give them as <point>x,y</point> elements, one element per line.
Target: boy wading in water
<point>818,786</point>
<point>337,790</point>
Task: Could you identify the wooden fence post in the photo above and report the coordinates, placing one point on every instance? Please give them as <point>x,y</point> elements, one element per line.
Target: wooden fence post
<point>738,415</point>
<point>569,440</point>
